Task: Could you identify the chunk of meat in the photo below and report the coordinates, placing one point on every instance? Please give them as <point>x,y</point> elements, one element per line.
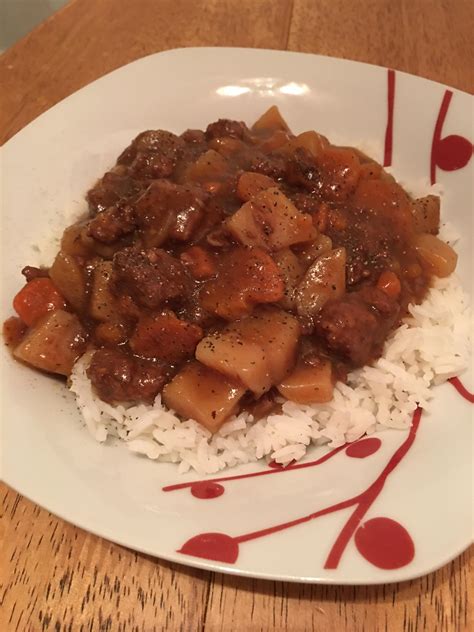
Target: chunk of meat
<point>121,377</point>
<point>259,350</point>
<point>271,165</point>
<point>204,395</point>
<point>309,384</point>
<point>112,223</point>
<point>352,327</point>
<point>244,278</point>
<point>54,343</point>
<point>168,210</point>
<point>225,127</point>
<point>271,221</point>
<point>117,184</point>
<point>302,170</point>
<point>31,272</point>
<point>153,154</point>
<point>165,337</point>
<point>151,277</point>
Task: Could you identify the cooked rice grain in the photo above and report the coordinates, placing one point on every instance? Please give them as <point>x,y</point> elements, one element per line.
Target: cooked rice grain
<point>431,346</point>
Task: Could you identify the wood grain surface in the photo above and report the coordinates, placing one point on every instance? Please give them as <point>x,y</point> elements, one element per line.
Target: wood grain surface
<point>55,577</point>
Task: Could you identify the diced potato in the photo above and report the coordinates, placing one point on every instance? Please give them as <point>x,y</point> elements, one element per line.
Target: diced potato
<point>209,166</point>
<point>435,256</point>
<point>277,332</point>
<point>102,302</point>
<point>291,271</point>
<point>276,142</point>
<point>271,221</point>
<point>251,183</point>
<point>231,354</point>
<point>325,279</point>
<point>54,344</point>
<point>68,277</point>
<point>200,393</point>
<point>271,119</point>
<point>258,351</point>
<point>226,145</point>
<point>72,242</point>
<point>309,384</point>
<point>311,251</point>
<point>244,278</point>
<point>313,142</point>
<point>426,212</point>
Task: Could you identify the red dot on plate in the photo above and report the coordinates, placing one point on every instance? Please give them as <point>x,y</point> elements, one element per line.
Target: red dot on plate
<point>206,490</point>
<point>385,543</point>
<point>212,546</point>
<point>364,447</point>
<point>453,152</point>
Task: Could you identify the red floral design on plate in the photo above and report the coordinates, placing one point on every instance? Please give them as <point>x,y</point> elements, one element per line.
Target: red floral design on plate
<point>451,152</point>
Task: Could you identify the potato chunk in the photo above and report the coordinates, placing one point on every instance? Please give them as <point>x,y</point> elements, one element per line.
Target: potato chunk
<point>200,393</point>
<point>54,344</point>
<point>68,277</point>
<point>258,351</point>
<point>309,384</point>
<point>325,279</point>
<point>271,221</point>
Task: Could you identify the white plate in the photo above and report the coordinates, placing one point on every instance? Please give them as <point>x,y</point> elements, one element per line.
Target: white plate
<point>49,457</point>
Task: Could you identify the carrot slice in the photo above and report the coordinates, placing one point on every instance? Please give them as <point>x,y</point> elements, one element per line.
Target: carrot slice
<point>36,299</point>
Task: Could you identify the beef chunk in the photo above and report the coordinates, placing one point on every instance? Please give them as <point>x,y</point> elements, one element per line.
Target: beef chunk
<point>151,277</point>
<point>225,127</point>
<point>31,272</point>
<point>351,329</point>
<point>113,223</point>
<point>120,377</point>
<point>301,170</point>
<point>168,210</point>
<point>153,154</point>
<point>114,186</point>
<point>273,166</point>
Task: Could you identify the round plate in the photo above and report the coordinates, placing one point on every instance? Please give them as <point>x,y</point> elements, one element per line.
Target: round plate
<point>390,509</point>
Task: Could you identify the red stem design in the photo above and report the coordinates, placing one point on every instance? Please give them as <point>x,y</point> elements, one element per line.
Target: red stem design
<point>363,501</point>
<point>388,147</point>
<point>462,390</point>
<point>443,110</point>
<point>297,466</point>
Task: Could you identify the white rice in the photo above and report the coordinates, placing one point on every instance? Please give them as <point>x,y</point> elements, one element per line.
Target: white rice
<point>432,345</point>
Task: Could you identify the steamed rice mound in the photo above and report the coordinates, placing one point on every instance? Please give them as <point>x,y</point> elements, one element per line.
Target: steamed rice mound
<point>432,345</point>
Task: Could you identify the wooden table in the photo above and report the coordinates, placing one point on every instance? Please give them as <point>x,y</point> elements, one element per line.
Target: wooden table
<point>54,576</point>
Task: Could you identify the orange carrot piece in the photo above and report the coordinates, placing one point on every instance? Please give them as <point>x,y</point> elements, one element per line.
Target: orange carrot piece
<point>200,263</point>
<point>36,299</point>
<point>389,283</point>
